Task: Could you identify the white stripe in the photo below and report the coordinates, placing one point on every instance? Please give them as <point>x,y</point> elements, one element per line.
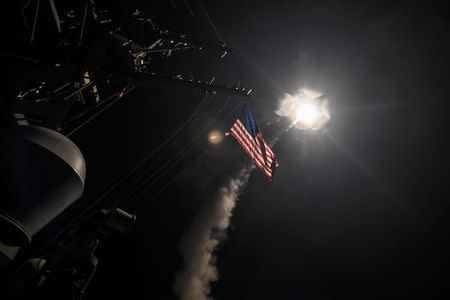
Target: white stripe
<point>267,147</point>
<point>248,138</point>
<point>258,161</point>
<point>268,156</point>
<point>254,152</point>
<point>259,146</point>
<point>251,153</point>
<point>243,143</point>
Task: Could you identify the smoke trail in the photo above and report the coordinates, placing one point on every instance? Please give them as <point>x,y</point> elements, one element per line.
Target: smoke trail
<point>203,237</point>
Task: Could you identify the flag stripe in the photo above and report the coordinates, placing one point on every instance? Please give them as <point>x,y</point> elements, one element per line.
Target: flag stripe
<point>257,161</point>
<point>249,150</point>
<point>246,131</point>
<point>269,156</point>
<point>243,144</point>
<point>248,138</point>
<point>269,153</point>
<point>268,148</point>
<point>250,143</point>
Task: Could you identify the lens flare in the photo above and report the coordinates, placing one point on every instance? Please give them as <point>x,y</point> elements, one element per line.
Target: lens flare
<point>215,137</point>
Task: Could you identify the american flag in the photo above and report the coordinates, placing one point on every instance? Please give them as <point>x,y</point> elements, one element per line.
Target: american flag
<point>247,133</point>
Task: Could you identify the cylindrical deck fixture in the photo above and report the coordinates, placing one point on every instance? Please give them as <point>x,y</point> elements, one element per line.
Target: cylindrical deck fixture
<point>117,220</point>
<point>43,173</point>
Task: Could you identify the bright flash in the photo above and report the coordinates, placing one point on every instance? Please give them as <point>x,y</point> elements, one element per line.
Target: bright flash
<point>307,109</point>
<point>307,113</point>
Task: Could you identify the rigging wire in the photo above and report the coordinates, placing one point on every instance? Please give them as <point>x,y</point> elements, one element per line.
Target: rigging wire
<point>169,138</point>
<point>127,172</point>
<point>152,153</point>
<point>173,3</point>
<point>121,177</point>
<point>164,169</point>
<point>111,184</point>
<point>189,8</point>
<point>83,212</point>
<point>90,109</point>
<point>55,236</point>
<point>166,166</point>
<point>118,96</point>
<point>137,202</point>
<point>172,180</point>
<point>211,23</point>
<point>174,163</point>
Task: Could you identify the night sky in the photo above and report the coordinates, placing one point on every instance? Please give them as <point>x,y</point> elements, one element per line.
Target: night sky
<point>358,210</point>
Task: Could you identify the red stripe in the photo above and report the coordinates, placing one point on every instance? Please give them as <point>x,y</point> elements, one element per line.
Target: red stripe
<point>269,160</point>
<point>241,140</point>
<point>267,147</point>
<point>238,136</point>
<point>245,146</point>
<point>246,136</point>
<point>248,139</point>
<point>270,157</point>
<point>250,154</point>
<point>258,158</point>
<point>253,148</point>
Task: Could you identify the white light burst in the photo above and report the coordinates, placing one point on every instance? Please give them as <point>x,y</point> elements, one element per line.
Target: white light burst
<point>306,109</point>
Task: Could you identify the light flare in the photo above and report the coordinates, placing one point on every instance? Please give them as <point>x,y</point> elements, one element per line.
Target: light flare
<point>215,137</point>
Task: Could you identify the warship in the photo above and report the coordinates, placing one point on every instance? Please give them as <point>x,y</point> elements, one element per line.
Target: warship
<point>74,60</point>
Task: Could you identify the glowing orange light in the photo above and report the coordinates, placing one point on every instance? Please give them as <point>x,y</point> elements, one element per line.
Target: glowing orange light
<point>215,137</point>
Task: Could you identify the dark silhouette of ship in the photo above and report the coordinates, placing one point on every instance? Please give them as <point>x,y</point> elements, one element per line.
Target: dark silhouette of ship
<point>87,62</point>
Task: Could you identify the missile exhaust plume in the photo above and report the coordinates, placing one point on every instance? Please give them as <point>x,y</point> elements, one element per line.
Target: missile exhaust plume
<point>306,109</point>
<point>203,237</point>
